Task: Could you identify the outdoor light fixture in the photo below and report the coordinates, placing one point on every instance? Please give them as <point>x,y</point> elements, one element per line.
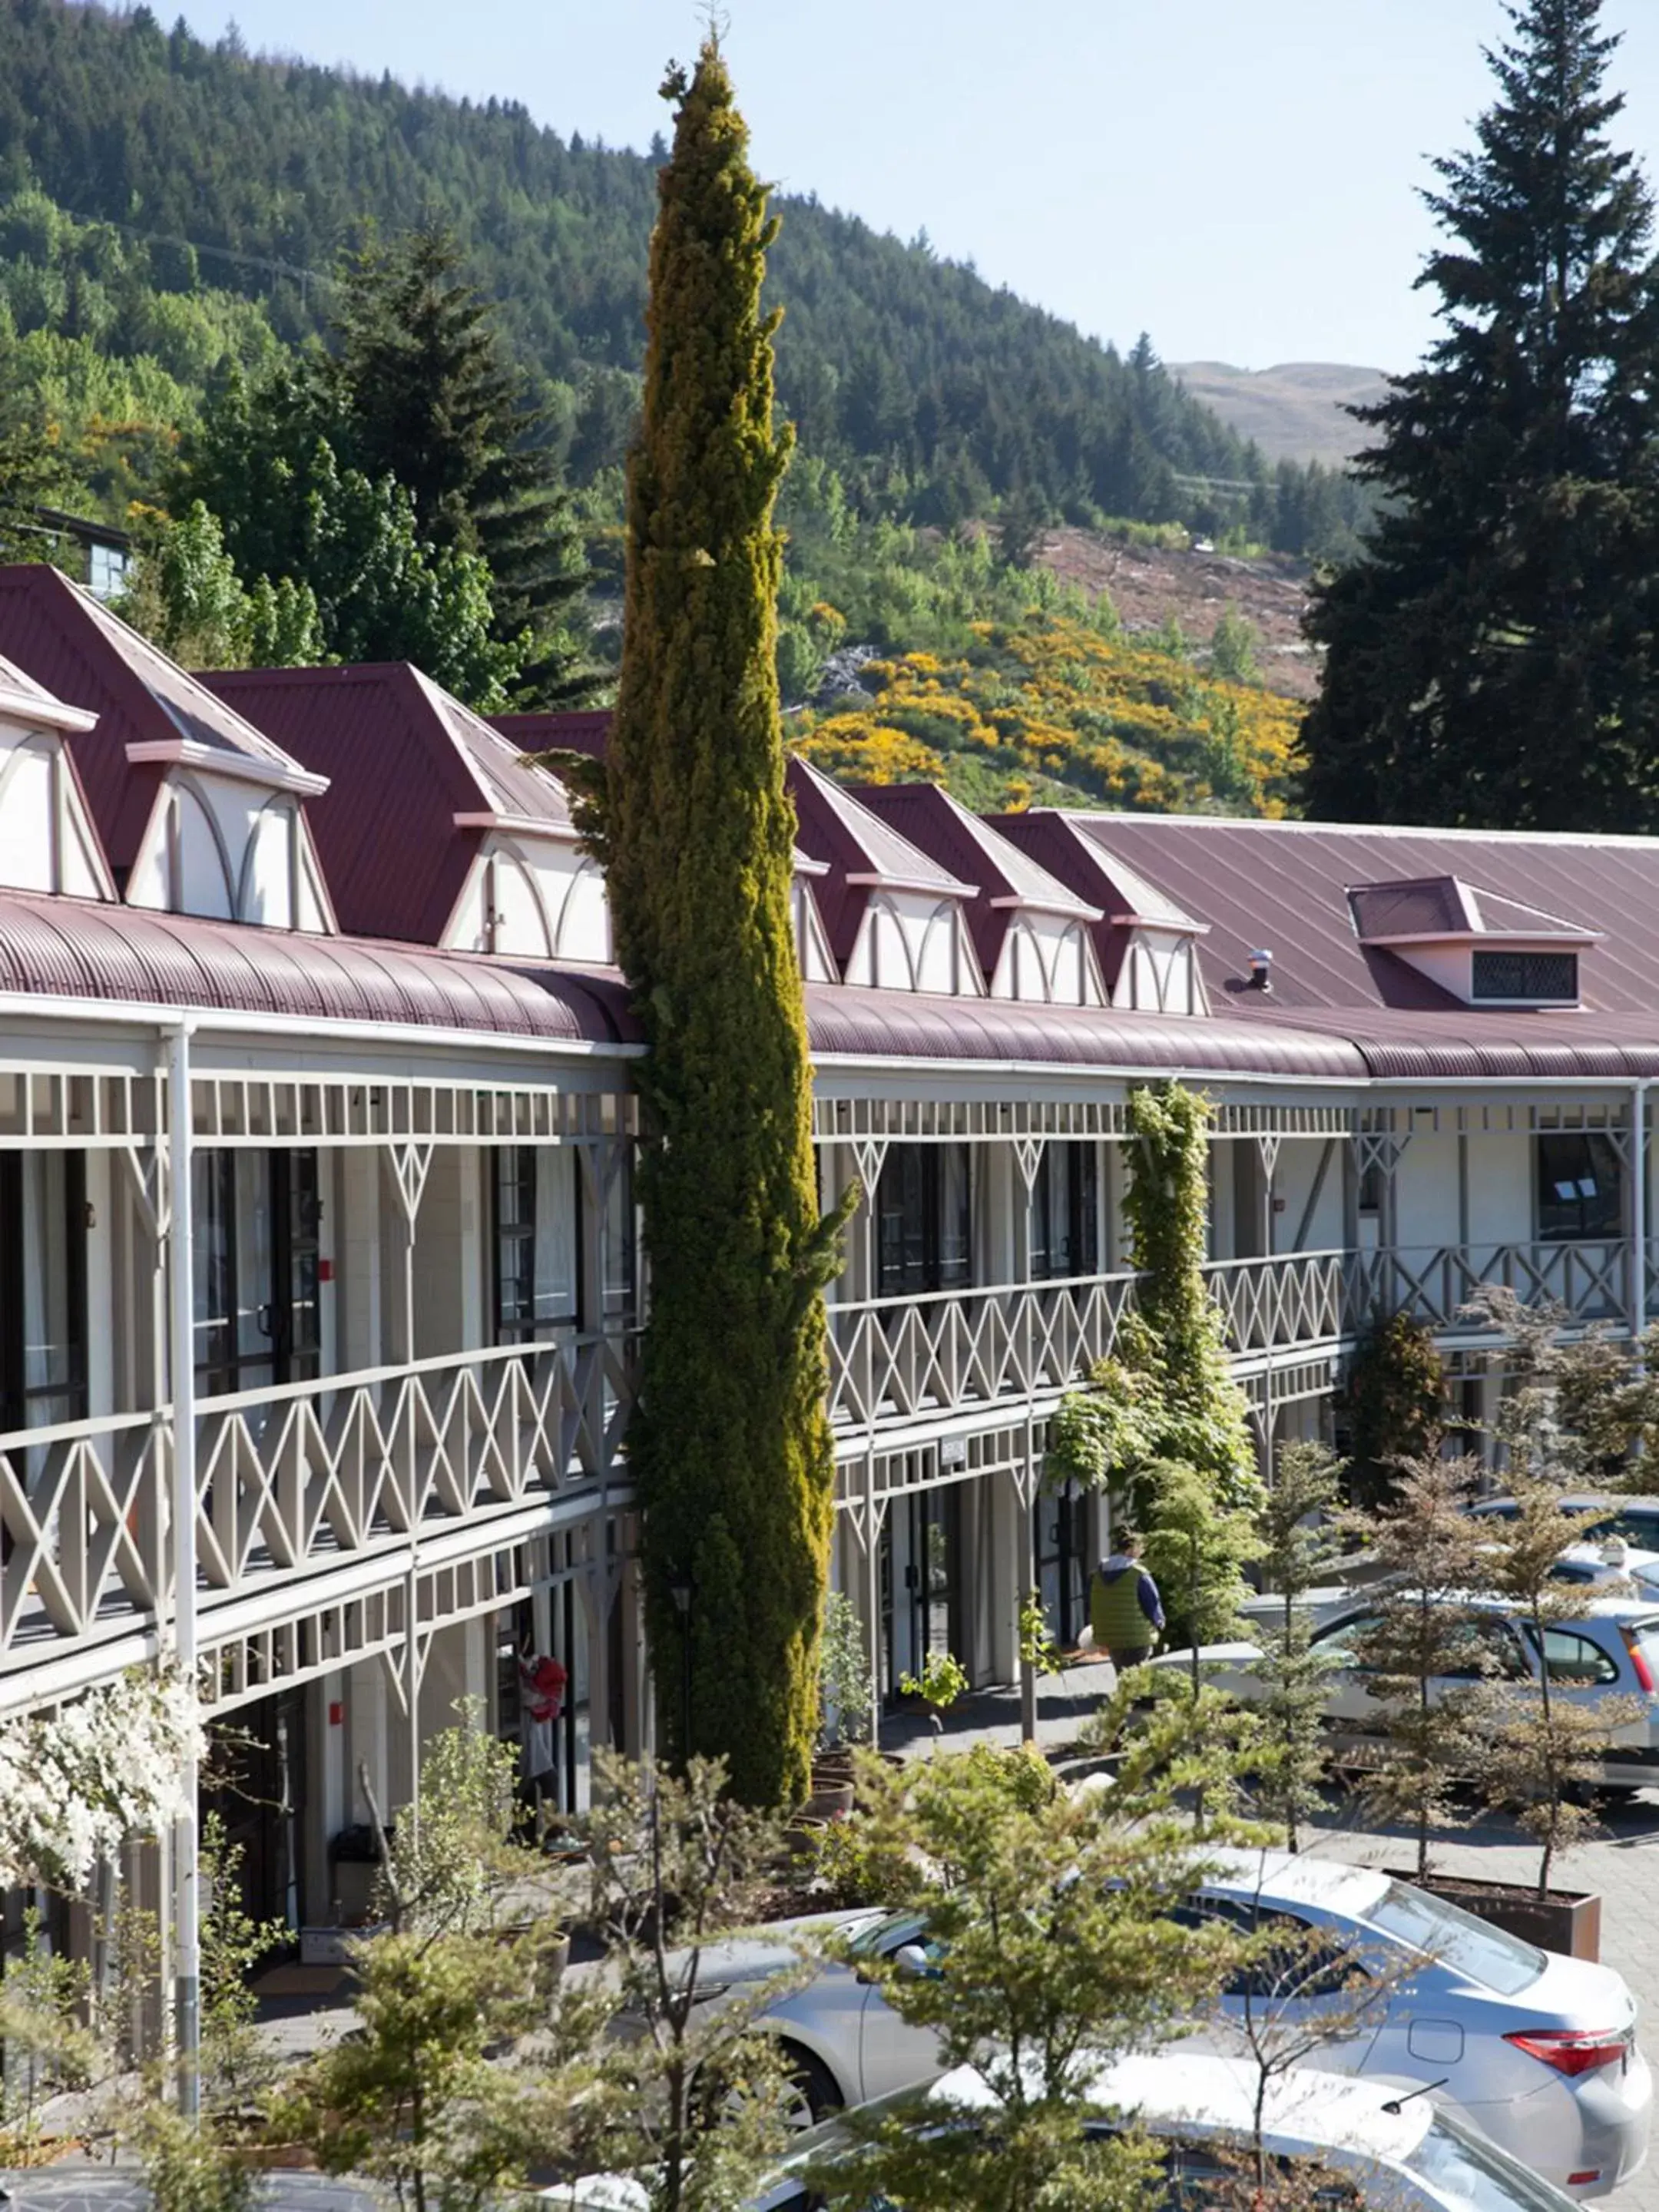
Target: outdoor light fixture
<point>680,1591</point>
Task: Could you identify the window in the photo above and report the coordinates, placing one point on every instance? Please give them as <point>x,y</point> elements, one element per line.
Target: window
<point>258,1314</point>
<point>43,1288</point>
<point>619,1255</point>
<point>1483,1650</point>
<point>1065,1240</point>
<point>924,1220</point>
<point>1297,1960</point>
<point>537,1241</point>
<point>1529,976</point>
<point>1580,1190</point>
<point>1370,1188</point>
<point>1576,1661</point>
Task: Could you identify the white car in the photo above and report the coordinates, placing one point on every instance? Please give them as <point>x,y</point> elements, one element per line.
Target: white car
<point>1610,1648</point>
<point>1541,2049</point>
<point>1397,2148</point>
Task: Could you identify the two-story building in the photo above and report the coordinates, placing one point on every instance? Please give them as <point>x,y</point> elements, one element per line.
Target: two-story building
<point>318,1263</point>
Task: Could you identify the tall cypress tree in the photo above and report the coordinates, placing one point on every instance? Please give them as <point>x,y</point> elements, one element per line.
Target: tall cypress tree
<point>1491,656</point>
<point>729,1444</point>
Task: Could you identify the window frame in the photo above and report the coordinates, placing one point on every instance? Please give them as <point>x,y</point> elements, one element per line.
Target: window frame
<point>523,1234</point>
<point>17,1394</point>
<point>1580,1156</point>
<point>931,1175</point>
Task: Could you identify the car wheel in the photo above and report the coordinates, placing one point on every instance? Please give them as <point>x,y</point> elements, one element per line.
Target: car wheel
<point>813,2093</point>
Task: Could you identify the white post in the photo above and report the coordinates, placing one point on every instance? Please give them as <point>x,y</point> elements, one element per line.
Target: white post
<point>181,1354</point>
<point>1638,1214</point>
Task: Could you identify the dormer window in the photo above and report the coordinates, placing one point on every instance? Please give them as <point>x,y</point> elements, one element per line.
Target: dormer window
<point>1481,945</point>
<point>1531,978</point>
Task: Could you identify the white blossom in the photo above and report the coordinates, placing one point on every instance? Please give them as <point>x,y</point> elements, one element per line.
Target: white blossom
<point>75,1785</point>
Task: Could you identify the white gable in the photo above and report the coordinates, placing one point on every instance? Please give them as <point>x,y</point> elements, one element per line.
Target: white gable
<point>911,941</point>
<point>230,850</point>
<point>47,842</point>
<point>1160,974</point>
<point>539,898</point>
<point>816,963</point>
<point>1049,960</point>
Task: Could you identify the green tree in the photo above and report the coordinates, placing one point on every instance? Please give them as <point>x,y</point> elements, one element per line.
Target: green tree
<point>1394,1395</point>
<point>695,2098</point>
<point>1426,1550</point>
<point>1233,642</point>
<point>187,596</point>
<point>1049,1950</point>
<point>430,397</point>
<point>1297,1529</point>
<point>1490,657</point>
<point>731,1446</point>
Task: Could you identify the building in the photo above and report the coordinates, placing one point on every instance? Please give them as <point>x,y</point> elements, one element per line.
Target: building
<point>305,981</point>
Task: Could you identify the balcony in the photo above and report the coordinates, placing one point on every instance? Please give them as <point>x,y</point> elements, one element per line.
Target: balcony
<point>293,1480</point>
<point>1434,1283</point>
<point>894,1362</point>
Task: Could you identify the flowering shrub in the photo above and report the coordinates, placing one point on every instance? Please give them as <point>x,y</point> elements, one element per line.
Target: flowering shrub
<point>76,1784</point>
<point>1049,708</point>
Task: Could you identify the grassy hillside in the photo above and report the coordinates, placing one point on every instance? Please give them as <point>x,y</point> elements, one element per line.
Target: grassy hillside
<point>935,396</point>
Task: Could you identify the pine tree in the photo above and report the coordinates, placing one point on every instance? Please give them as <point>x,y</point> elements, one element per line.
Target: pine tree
<point>431,398</point>
<point>1491,658</point>
<point>730,1446</point>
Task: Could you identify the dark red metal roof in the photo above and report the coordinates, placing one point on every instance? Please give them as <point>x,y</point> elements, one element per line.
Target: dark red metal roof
<point>402,759</point>
<point>66,641</point>
<point>836,828</point>
<point>74,949</point>
<point>577,730</point>
<point>888,1024</point>
<point>1283,885</point>
<point>1005,876</point>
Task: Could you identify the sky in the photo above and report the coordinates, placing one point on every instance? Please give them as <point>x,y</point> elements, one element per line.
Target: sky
<point>1238,178</point>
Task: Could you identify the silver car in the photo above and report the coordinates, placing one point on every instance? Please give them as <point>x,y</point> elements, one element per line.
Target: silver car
<point>1607,1512</point>
<point>1610,1648</point>
<point>1539,2050</point>
<point>1408,2153</point>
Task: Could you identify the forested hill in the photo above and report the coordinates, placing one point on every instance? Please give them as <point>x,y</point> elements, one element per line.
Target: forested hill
<point>937,396</point>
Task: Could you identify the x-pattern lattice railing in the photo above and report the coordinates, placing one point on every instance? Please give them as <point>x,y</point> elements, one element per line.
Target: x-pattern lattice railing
<point>294,1477</point>
<point>1436,1282</point>
<point>894,1360</point>
<point>1295,1297</point>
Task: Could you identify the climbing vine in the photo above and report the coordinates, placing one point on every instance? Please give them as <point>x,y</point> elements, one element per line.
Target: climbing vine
<point>1395,1398</point>
<point>1168,1398</point>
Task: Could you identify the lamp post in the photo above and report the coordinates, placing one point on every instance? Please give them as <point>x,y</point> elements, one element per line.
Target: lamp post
<point>680,1591</point>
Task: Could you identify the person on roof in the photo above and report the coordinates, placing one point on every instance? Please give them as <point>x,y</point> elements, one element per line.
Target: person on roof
<point>1124,1610</point>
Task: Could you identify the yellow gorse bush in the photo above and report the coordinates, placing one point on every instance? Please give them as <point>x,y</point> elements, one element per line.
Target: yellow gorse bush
<point>1048,709</point>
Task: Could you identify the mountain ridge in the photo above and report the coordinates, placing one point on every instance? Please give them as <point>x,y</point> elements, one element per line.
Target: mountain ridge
<point>1292,410</point>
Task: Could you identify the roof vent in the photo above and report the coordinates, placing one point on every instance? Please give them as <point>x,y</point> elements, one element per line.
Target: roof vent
<point>1261,970</point>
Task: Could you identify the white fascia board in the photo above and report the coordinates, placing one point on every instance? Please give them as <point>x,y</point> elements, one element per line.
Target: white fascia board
<point>217,760</point>
<point>38,711</point>
<point>519,825</point>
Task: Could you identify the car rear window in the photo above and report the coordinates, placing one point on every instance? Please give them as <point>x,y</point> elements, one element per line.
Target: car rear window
<point>1638,1525</point>
<point>1460,2163</point>
<point>1473,1947</point>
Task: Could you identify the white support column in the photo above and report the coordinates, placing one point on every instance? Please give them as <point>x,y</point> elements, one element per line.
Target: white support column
<point>187,1952</point>
<point>1638,1212</point>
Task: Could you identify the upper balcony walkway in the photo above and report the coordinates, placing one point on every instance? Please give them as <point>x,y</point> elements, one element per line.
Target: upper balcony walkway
<point>1019,1347</point>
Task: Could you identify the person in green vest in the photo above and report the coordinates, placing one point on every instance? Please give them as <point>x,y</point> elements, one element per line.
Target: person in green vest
<point>1124,1610</point>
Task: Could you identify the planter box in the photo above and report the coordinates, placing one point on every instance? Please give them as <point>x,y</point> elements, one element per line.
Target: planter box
<point>331,1946</point>
<point>1564,1920</point>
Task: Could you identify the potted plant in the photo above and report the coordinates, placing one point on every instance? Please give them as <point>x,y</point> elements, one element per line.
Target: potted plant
<point>846,1698</point>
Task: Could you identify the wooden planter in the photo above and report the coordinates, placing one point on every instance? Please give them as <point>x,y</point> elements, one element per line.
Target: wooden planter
<point>1564,1920</point>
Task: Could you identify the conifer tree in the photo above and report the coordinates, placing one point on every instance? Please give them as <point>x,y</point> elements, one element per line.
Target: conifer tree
<point>1491,657</point>
<point>730,1444</point>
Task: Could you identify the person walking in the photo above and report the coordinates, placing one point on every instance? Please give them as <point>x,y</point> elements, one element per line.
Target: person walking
<point>1124,1610</point>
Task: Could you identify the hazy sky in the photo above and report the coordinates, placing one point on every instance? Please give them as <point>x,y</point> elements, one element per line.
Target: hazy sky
<point>1236,176</point>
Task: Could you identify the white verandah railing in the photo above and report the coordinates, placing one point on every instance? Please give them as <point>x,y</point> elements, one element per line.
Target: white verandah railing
<point>894,1360</point>
<point>294,1477</point>
<point>1434,1283</point>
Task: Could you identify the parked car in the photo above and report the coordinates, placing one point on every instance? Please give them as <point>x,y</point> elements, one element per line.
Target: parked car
<point>1406,2152</point>
<point>1635,1519</point>
<point>1610,1648</point>
<point>1541,2049</point>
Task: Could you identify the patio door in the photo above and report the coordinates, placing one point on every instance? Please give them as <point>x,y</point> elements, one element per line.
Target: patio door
<point>922,1595</point>
<point>1060,1536</point>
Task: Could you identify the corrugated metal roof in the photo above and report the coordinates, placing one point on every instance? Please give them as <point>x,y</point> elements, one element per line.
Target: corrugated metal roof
<point>403,760</point>
<point>1119,894</point>
<point>886,1024</point>
<point>1284,885</point>
<point>27,700</point>
<point>1005,877</point>
<point>68,948</point>
<point>1479,1043</point>
<point>837,828</point>
<point>66,641</point>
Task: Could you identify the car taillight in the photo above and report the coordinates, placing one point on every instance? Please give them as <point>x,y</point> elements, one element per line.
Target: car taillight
<point>1570,2050</point>
<point>1638,1660</point>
